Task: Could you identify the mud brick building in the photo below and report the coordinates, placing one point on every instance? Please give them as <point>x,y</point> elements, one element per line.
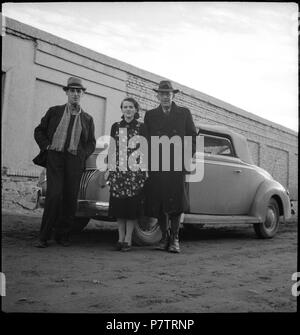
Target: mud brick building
<point>35,66</point>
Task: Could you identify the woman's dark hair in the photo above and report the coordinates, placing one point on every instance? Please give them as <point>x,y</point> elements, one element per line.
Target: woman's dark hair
<point>135,104</point>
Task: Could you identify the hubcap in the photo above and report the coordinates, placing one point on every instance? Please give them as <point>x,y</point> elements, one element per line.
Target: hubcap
<point>148,225</point>
<point>271,219</point>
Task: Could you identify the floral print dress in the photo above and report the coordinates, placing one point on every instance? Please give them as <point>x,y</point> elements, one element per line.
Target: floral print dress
<point>126,187</point>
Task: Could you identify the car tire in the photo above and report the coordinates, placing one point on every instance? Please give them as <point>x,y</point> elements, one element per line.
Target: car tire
<point>146,232</point>
<point>79,224</point>
<point>269,227</point>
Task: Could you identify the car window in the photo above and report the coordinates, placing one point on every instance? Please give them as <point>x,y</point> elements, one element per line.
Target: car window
<point>215,145</point>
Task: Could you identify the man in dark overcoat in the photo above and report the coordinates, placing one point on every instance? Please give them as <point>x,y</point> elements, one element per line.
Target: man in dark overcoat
<point>166,191</point>
<point>66,138</point>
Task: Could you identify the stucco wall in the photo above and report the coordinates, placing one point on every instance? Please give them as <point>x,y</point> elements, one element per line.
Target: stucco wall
<point>35,66</point>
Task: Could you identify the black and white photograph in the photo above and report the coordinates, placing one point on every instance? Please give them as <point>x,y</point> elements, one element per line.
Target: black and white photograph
<point>149,161</point>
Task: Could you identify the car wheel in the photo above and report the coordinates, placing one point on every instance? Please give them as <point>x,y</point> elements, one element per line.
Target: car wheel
<point>147,231</point>
<point>269,227</point>
<point>79,224</point>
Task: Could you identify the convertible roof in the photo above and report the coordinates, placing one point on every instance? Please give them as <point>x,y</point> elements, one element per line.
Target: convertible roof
<point>239,141</point>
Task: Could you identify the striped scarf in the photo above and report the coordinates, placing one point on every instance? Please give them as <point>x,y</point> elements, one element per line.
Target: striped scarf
<point>60,135</point>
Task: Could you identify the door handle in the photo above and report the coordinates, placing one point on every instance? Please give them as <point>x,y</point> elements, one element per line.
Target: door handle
<point>238,171</point>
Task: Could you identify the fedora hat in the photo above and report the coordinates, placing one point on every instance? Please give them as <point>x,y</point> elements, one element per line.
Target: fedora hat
<point>74,82</point>
<point>165,86</point>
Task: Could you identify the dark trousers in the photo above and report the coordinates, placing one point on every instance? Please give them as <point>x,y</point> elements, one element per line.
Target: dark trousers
<point>169,224</point>
<point>64,172</point>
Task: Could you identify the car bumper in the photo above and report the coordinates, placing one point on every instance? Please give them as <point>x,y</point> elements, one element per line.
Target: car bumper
<point>94,209</point>
<point>85,208</point>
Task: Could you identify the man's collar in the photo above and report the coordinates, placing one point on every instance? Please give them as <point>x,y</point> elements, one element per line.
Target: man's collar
<point>171,108</point>
<point>72,110</point>
<point>166,110</point>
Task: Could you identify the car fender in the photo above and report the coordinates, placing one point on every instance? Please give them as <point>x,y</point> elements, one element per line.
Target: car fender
<point>266,190</point>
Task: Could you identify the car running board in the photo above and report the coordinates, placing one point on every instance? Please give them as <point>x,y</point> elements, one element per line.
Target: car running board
<point>219,219</point>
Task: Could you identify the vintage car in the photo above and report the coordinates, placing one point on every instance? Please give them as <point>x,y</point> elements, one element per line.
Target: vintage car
<point>233,191</point>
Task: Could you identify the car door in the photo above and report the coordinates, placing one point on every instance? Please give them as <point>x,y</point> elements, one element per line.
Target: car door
<point>229,184</point>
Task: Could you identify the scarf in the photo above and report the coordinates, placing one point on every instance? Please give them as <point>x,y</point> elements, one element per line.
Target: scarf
<point>60,135</point>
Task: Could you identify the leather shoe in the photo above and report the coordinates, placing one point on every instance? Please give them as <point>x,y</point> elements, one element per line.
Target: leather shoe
<point>163,244</point>
<point>174,246</point>
<point>126,246</point>
<point>65,242</point>
<point>41,244</point>
<point>119,246</point>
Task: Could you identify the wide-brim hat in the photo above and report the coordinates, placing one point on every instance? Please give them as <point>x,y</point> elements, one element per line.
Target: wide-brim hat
<point>165,86</point>
<point>74,82</point>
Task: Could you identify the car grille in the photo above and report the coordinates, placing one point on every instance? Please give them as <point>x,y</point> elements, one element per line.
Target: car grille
<point>86,177</point>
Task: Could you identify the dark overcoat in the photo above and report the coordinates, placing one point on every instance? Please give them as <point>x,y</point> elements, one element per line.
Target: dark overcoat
<point>44,132</point>
<point>166,191</point>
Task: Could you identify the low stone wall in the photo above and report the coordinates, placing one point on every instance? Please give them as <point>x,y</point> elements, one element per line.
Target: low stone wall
<point>19,194</point>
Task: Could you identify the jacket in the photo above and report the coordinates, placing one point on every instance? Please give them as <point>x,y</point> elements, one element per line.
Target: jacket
<point>43,134</point>
<point>167,190</point>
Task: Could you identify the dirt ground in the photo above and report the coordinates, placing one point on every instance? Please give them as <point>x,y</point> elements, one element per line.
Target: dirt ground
<point>224,269</point>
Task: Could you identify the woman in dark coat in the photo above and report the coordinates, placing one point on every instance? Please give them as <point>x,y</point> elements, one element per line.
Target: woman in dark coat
<point>126,186</point>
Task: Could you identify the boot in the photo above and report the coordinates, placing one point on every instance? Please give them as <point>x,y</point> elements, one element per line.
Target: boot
<point>174,245</point>
<point>164,227</point>
<point>164,242</point>
<point>174,240</point>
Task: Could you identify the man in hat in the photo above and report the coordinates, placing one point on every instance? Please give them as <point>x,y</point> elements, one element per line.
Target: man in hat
<point>166,192</point>
<point>66,138</point>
